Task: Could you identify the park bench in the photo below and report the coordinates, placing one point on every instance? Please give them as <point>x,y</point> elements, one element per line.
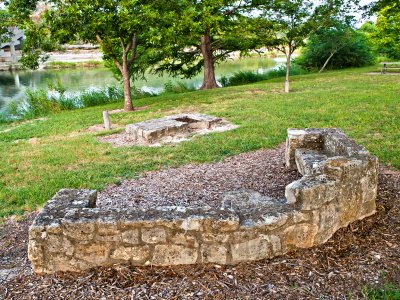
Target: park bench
<point>389,67</point>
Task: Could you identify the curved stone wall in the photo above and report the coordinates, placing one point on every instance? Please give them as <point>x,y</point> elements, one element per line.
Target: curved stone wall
<point>339,186</point>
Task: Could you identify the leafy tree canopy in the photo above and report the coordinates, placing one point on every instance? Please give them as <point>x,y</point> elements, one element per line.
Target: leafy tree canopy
<point>336,47</point>
<point>130,32</point>
<point>206,33</point>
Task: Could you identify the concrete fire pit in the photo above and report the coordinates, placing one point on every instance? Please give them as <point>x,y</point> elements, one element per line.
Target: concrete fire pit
<point>170,129</point>
<point>339,186</point>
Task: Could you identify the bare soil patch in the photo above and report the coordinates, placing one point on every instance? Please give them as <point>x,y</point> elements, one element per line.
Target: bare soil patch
<point>138,108</point>
<point>100,127</point>
<point>366,253</point>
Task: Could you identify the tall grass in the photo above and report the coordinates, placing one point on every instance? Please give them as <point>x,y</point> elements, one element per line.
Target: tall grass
<point>246,77</point>
<point>179,87</point>
<point>42,102</point>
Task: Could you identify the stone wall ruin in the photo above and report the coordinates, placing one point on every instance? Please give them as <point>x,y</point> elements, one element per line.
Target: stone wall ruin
<point>339,186</point>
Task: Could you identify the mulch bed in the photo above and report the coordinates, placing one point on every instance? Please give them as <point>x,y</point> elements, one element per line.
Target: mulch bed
<point>366,253</point>
<point>204,185</point>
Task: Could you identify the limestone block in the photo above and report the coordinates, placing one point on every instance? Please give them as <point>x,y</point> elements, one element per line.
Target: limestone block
<point>95,253</point>
<point>184,239</point>
<point>59,244</point>
<point>108,232</point>
<point>79,231</point>
<point>136,254</point>
<point>35,252</point>
<point>309,162</point>
<point>154,235</point>
<point>35,232</point>
<point>214,253</point>
<point>329,222</point>
<point>300,235</point>
<point>191,224</point>
<point>131,237</point>
<point>215,237</point>
<point>301,138</point>
<point>310,193</point>
<point>258,248</point>
<point>61,263</point>
<point>174,255</point>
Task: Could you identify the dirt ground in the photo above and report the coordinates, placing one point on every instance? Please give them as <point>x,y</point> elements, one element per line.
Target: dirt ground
<point>365,254</point>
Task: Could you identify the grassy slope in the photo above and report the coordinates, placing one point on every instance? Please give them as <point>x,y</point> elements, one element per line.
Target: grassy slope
<point>366,107</point>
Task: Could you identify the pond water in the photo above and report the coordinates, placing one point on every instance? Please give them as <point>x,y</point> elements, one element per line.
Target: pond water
<point>13,85</point>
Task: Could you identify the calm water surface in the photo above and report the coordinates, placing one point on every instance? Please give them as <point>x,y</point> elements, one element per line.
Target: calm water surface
<point>13,85</point>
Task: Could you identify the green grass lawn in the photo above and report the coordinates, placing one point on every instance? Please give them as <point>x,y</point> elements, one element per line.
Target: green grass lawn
<point>39,158</point>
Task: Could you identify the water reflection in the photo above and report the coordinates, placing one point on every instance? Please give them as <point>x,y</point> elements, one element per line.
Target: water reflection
<point>13,85</point>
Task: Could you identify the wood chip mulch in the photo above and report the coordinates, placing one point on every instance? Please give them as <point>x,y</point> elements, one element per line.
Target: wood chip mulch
<point>366,253</point>
<point>202,185</point>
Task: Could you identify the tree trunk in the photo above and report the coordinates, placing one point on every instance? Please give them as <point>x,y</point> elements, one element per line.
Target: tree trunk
<point>127,85</point>
<point>14,58</point>
<point>327,61</point>
<point>288,55</point>
<point>209,81</point>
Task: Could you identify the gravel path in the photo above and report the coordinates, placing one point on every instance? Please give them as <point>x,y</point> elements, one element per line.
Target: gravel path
<point>203,185</point>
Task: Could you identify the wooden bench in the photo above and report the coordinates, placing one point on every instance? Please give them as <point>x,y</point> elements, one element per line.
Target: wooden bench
<point>389,66</point>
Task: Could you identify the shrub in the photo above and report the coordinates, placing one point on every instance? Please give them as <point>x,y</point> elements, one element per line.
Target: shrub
<point>39,103</point>
<point>246,77</point>
<point>177,88</point>
<point>341,47</point>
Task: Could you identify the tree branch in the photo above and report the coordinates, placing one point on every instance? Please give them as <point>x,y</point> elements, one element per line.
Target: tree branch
<point>116,62</point>
<point>133,47</point>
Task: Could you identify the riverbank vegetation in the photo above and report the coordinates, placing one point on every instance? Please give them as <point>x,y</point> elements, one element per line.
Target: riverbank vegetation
<point>55,65</point>
<point>246,77</point>
<point>40,157</point>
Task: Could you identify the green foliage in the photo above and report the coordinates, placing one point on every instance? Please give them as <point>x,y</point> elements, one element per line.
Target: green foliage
<point>39,104</point>
<point>177,88</point>
<point>130,33</point>
<point>246,77</point>
<point>387,292</point>
<point>386,36</point>
<point>213,28</point>
<point>340,47</point>
<point>42,102</point>
<point>103,96</point>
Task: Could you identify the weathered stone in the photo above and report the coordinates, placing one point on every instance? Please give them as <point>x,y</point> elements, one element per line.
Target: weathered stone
<point>310,162</point>
<point>79,231</point>
<point>299,217</point>
<point>108,232</point>
<point>35,252</point>
<point>61,263</point>
<point>301,138</point>
<point>329,223</point>
<point>174,255</point>
<point>153,130</point>
<point>258,248</point>
<point>59,244</point>
<point>214,254</point>
<point>191,224</point>
<point>300,235</point>
<point>215,237</point>
<point>184,239</point>
<point>96,253</point>
<point>154,235</point>
<point>136,254</point>
<point>131,236</point>
<point>310,193</point>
